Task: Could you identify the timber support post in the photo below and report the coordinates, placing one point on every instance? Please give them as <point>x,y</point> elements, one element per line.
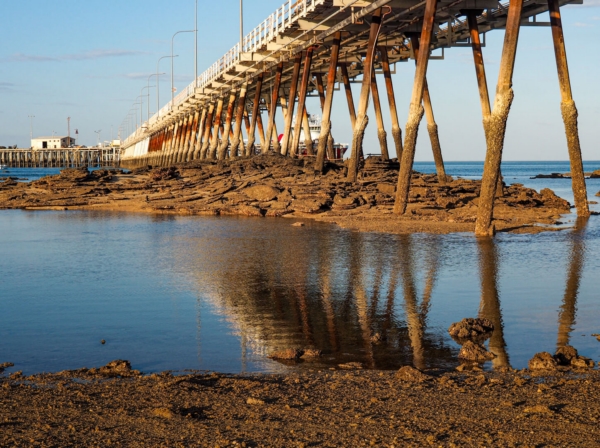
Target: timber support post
<point>495,124</point>
<point>222,152</point>
<point>273,110</point>
<point>361,119</point>
<point>239,116</point>
<point>389,86</point>
<point>285,143</point>
<point>198,147</point>
<point>327,104</point>
<point>569,111</point>
<point>212,151</point>
<point>415,113</point>
<point>255,112</point>
<point>321,90</point>
<point>381,134</point>
<point>207,129</point>
<point>432,127</point>
<point>300,118</point>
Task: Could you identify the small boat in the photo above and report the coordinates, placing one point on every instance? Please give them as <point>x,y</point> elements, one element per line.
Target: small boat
<point>3,167</point>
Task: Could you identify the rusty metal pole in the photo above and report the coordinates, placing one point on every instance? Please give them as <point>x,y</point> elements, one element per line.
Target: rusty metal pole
<point>301,101</point>
<point>361,119</point>
<point>222,152</point>
<point>239,116</point>
<point>287,130</point>
<point>329,137</point>
<point>255,111</point>
<point>432,127</point>
<point>207,129</point>
<point>495,125</point>
<point>569,111</point>
<point>200,131</point>
<point>212,152</point>
<point>484,96</point>
<point>415,113</point>
<point>273,110</point>
<point>381,134</point>
<point>389,86</point>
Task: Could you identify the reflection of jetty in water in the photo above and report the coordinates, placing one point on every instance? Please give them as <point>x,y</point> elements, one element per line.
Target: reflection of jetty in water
<point>356,297</point>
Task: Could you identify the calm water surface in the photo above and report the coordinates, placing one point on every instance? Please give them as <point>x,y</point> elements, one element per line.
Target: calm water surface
<point>221,293</point>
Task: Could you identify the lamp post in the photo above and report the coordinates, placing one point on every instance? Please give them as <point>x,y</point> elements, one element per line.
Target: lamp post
<point>172,68</point>
<point>241,25</point>
<point>196,47</point>
<point>157,75</point>
<point>148,95</point>
<point>141,103</point>
<point>158,79</point>
<point>98,134</point>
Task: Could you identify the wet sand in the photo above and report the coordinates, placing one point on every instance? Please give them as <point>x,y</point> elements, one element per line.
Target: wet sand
<point>115,406</point>
<point>276,186</point>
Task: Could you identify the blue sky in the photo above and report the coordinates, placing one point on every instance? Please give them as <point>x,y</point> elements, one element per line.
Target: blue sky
<point>90,60</point>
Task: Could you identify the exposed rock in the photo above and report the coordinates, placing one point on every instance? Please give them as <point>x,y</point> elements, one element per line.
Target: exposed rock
<point>164,173</point>
<point>595,174</point>
<point>290,353</point>
<point>542,361</point>
<point>551,176</point>
<point>344,203</point>
<point>474,329</point>
<point>598,194</point>
<point>581,362</point>
<point>255,401</point>
<point>351,366</point>
<point>565,354</point>
<point>261,192</point>
<point>311,353</point>
<point>412,375</point>
<point>307,205</point>
<point>163,413</point>
<point>472,351</point>
<point>298,224</point>
<point>376,338</point>
<point>5,365</point>
<point>538,409</point>
<point>385,188</point>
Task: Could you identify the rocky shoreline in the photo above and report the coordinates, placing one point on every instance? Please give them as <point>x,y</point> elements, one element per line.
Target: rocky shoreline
<point>275,186</point>
<point>117,406</point>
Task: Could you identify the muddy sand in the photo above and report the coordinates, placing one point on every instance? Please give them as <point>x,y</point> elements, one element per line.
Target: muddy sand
<point>115,406</point>
<point>277,186</point>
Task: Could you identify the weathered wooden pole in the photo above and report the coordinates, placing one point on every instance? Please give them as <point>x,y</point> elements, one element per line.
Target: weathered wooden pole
<point>175,142</point>
<point>361,119</point>
<point>212,152</point>
<point>484,96</point>
<point>308,143</point>
<point>348,91</point>
<point>255,112</point>
<point>247,126</point>
<point>302,102</point>
<point>287,130</point>
<point>195,137</point>
<point>381,134</point>
<point>222,152</point>
<point>569,111</point>
<point>432,127</point>
<point>321,90</point>
<point>389,86</point>
<point>239,116</point>
<point>273,110</point>
<point>207,131</point>
<point>415,113</point>
<point>261,129</point>
<point>180,138</point>
<point>495,124</point>
<point>180,157</point>
<point>200,131</point>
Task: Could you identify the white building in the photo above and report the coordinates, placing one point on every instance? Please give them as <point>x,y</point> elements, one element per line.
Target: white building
<point>54,142</point>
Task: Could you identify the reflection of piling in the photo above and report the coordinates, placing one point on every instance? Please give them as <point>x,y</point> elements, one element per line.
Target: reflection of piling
<point>490,300</point>
<point>568,309</point>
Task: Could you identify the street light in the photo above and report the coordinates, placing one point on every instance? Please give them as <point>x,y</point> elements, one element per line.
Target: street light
<point>157,76</point>
<point>98,134</point>
<point>142,95</point>
<point>141,103</point>
<point>31,117</point>
<point>241,25</point>
<point>158,79</point>
<point>172,68</point>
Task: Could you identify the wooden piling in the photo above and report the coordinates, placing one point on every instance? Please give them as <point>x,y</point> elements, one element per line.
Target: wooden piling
<point>329,137</point>
<point>415,112</point>
<point>287,130</point>
<point>261,129</point>
<point>389,86</point>
<point>200,132</point>
<point>495,124</point>
<point>381,134</point>
<point>212,153</point>
<point>273,110</point>
<point>432,127</point>
<point>348,91</point>
<point>227,129</point>
<point>302,102</point>
<point>207,131</point>
<point>363,102</point>
<point>239,116</point>
<point>569,111</point>
<point>255,112</point>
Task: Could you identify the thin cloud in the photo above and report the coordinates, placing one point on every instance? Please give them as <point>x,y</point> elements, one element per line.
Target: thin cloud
<point>586,4</point>
<point>6,86</point>
<point>84,56</point>
<point>582,25</point>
